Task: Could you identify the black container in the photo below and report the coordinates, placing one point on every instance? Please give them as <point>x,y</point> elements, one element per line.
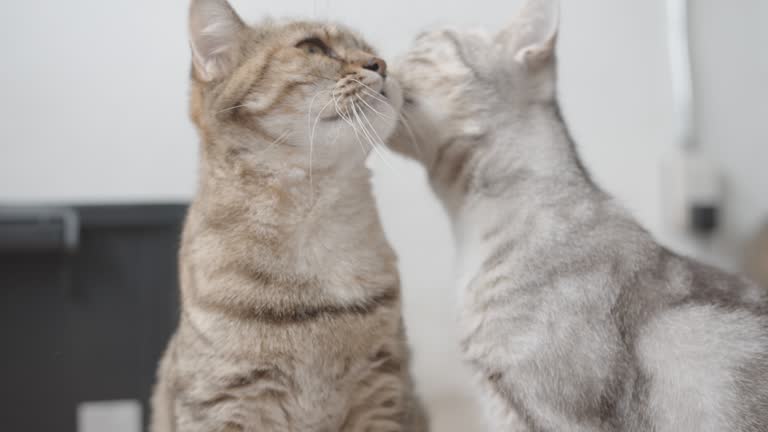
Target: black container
<point>88,299</point>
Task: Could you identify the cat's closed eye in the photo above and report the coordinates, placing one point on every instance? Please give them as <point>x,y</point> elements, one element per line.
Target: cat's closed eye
<point>314,46</point>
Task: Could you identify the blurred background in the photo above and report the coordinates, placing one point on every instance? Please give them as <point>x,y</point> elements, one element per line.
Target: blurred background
<point>93,126</point>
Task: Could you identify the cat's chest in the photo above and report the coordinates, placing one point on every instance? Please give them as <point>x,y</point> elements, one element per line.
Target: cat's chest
<point>470,258</point>
<point>516,307</point>
<point>480,233</point>
<point>504,323</point>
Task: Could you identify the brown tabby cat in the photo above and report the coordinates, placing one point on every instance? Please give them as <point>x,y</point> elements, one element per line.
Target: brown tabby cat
<point>291,314</point>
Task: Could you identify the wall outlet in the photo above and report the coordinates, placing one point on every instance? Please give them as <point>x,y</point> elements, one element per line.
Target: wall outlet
<point>693,193</point>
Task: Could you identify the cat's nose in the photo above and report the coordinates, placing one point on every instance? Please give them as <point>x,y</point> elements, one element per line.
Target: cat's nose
<point>377,65</point>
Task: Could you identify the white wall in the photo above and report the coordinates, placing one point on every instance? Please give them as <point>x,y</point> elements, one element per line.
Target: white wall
<point>730,42</point>
<point>93,101</point>
<point>93,108</point>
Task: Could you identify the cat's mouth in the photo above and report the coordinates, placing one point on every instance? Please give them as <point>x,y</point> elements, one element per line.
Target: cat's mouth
<point>359,101</point>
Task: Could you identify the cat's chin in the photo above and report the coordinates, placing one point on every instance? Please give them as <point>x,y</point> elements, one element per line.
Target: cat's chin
<point>393,93</point>
<point>381,110</point>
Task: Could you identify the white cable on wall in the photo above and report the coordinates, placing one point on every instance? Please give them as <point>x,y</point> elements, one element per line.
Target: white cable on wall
<point>680,69</point>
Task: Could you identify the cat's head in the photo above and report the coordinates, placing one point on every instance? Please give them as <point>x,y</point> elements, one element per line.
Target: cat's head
<point>464,85</point>
<point>286,92</point>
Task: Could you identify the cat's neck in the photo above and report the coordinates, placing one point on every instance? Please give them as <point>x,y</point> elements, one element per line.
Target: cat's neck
<point>528,166</point>
<point>520,155</point>
<point>250,231</point>
<point>536,148</point>
<point>286,196</point>
<point>293,218</point>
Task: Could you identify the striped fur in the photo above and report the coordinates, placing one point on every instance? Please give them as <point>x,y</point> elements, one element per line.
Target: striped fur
<point>573,317</point>
<point>291,315</point>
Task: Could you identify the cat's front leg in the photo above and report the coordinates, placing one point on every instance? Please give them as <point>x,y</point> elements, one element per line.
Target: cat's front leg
<point>383,404</point>
<point>375,419</point>
<point>502,414</point>
<point>382,416</point>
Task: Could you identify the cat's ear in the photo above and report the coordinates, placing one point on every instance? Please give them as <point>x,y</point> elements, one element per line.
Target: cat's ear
<point>532,35</point>
<point>215,32</point>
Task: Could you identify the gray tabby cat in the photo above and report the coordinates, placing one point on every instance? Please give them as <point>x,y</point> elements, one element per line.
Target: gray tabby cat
<point>573,317</point>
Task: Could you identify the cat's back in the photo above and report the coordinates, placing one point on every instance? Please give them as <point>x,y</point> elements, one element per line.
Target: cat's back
<point>705,355</point>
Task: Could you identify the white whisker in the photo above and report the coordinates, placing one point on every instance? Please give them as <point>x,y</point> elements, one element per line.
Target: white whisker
<point>276,142</point>
<point>373,93</point>
<point>313,130</point>
<point>374,109</point>
<point>373,129</point>
<point>409,129</point>
<point>309,129</point>
<point>359,142</point>
<point>317,119</point>
<point>370,139</point>
<point>352,125</point>
<point>232,108</point>
<point>309,111</point>
<point>411,134</point>
<point>338,109</point>
<point>348,119</point>
<point>377,97</point>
